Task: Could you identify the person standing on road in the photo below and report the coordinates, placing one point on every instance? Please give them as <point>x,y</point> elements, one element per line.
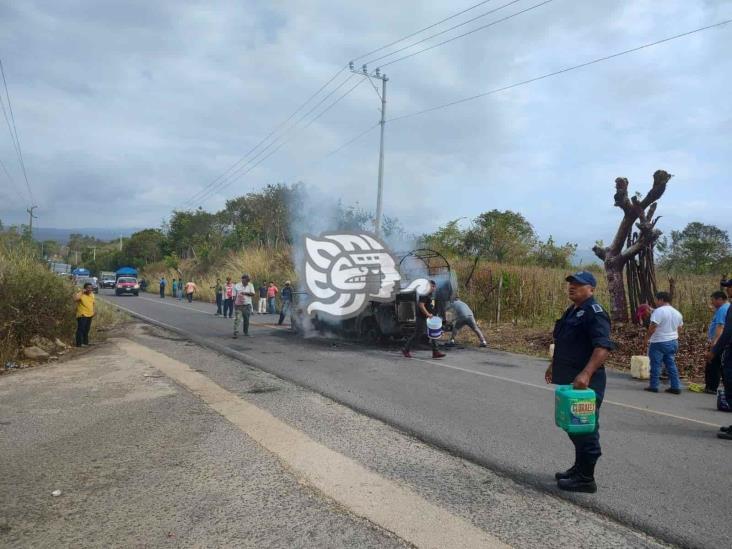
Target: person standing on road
<point>581,345</point>
<point>464,317</point>
<point>425,310</point>
<point>218,289</point>
<point>286,307</point>
<point>262,303</point>
<point>85,311</point>
<point>228,298</point>
<point>179,295</point>
<point>713,368</point>
<point>663,336</point>
<point>190,288</point>
<point>723,349</point>
<point>272,292</point>
<point>174,288</point>
<point>163,283</point>
<point>243,294</point>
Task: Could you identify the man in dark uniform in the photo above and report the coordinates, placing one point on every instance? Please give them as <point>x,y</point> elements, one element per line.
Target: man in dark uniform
<point>581,345</point>
<point>723,348</point>
<point>425,310</point>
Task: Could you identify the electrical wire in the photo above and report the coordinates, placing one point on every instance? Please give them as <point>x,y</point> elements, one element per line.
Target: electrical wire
<point>482,27</point>
<point>415,33</point>
<point>244,170</point>
<point>559,72</point>
<point>14,132</point>
<point>237,164</point>
<point>200,196</point>
<point>494,10</point>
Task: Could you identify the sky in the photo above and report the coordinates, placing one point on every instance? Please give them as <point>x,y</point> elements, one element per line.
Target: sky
<point>126,110</point>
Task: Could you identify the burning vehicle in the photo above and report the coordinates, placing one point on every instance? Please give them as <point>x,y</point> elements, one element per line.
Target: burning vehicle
<point>385,319</point>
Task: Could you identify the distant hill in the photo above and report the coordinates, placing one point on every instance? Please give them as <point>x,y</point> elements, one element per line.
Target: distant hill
<point>62,235</point>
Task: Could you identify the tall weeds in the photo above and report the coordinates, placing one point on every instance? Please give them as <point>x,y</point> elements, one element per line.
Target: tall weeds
<point>497,293</point>
<point>33,300</point>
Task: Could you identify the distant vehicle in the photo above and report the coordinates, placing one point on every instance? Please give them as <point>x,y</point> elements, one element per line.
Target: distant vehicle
<point>81,280</point>
<point>81,272</point>
<point>127,285</point>
<point>107,279</point>
<point>60,268</point>
<point>126,272</point>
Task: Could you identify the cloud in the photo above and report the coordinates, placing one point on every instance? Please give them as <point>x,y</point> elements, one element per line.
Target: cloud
<point>125,110</point>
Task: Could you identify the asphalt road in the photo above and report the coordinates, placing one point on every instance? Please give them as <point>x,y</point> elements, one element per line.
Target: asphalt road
<point>663,469</point>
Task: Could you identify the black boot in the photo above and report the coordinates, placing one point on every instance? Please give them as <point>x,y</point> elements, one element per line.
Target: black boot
<point>583,480</point>
<point>566,474</point>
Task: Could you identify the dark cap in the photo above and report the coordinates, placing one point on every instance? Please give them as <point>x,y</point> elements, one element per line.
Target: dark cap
<point>582,277</point>
<point>726,284</point>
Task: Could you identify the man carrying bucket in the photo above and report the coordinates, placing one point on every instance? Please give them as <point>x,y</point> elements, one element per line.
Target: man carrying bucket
<point>425,310</point>
<point>581,345</point>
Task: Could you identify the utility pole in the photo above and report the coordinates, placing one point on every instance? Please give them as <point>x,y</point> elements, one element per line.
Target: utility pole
<point>120,243</point>
<point>380,185</point>
<point>31,217</point>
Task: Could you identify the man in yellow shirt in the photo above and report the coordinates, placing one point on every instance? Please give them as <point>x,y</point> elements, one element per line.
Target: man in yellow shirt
<point>85,310</point>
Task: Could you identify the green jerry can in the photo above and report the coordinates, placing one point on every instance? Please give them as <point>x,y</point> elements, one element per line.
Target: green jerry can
<point>575,410</point>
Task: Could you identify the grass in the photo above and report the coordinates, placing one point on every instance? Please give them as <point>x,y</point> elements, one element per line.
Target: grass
<point>499,294</point>
<point>36,302</point>
<point>261,264</point>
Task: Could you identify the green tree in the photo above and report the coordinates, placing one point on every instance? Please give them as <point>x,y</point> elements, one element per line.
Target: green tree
<point>549,254</point>
<point>698,248</point>
<point>448,239</point>
<point>500,236</point>
<point>144,247</point>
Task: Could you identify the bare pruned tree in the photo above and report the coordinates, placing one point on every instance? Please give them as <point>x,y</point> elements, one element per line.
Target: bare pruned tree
<point>638,211</point>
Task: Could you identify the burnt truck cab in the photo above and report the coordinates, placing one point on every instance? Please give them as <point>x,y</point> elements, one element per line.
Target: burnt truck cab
<point>393,319</point>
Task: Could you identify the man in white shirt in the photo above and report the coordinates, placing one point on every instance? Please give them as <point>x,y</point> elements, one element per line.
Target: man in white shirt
<point>663,337</point>
<point>243,293</point>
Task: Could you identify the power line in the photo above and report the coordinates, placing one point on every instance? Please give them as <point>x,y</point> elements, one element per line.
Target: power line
<point>199,196</point>
<point>485,14</point>
<point>270,134</point>
<point>243,159</point>
<point>245,170</point>
<point>482,27</point>
<point>559,72</point>
<point>415,33</point>
<point>12,182</point>
<point>14,131</point>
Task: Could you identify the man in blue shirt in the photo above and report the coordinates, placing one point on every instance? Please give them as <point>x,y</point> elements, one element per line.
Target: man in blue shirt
<point>581,345</point>
<point>723,348</point>
<point>713,368</point>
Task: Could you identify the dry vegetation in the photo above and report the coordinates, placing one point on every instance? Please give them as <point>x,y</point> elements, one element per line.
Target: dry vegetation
<point>36,302</point>
<point>515,304</point>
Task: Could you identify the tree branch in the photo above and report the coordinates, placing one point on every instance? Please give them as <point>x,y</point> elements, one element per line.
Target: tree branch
<point>600,252</point>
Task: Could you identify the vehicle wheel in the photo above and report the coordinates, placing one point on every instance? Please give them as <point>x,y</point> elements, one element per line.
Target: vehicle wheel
<point>137,293</point>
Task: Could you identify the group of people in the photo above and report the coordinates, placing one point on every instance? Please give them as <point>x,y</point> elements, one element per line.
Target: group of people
<point>178,289</point>
<point>237,300</point>
<point>582,344</point>
<point>662,340</point>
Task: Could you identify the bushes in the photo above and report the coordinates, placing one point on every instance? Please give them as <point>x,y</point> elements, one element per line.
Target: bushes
<point>33,300</point>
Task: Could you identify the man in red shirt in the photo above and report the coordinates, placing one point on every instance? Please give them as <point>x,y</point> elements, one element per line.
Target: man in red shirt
<point>272,291</point>
<point>228,298</point>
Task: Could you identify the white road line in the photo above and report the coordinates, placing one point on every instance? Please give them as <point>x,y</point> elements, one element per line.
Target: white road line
<point>384,502</point>
<point>546,388</point>
<point>493,376</point>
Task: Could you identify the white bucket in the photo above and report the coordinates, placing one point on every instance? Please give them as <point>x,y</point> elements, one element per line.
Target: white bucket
<point>434,327</point>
